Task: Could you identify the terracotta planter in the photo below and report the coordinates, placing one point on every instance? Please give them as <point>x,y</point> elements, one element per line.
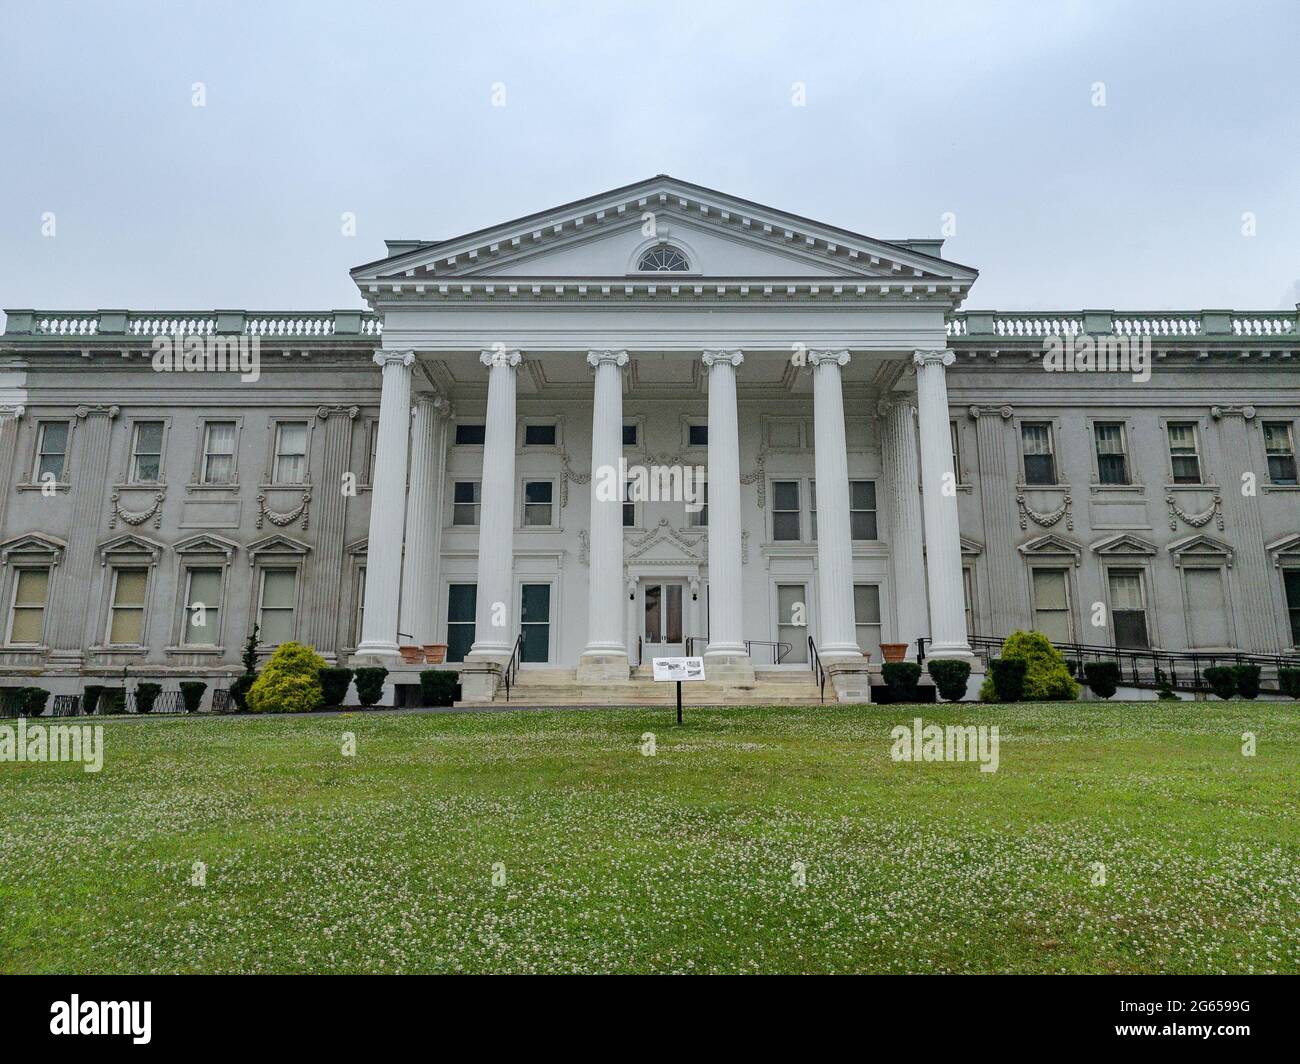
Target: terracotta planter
<point>435,653</point>
<point>894,651</point>
<point>411,655</point>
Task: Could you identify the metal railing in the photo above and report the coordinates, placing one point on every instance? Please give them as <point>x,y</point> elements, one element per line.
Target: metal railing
<point>819,672</point>
<point>511,672</point>
<point>780,648</point>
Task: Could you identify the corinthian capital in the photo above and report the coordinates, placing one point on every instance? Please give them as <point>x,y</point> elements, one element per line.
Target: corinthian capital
<point>931,358</point>
<point>607,358</point>
<point>731,358</point>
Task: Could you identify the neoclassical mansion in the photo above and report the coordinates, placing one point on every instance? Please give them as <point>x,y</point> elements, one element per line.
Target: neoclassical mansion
<point>657,420</point>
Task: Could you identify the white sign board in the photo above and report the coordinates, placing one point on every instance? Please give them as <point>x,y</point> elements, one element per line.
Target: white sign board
<point>679,669</point>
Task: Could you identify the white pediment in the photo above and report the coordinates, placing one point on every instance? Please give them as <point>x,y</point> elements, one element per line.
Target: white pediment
<point>664,545</point>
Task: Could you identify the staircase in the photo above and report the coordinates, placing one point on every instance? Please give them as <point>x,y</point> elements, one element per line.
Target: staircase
<point>560,687</point>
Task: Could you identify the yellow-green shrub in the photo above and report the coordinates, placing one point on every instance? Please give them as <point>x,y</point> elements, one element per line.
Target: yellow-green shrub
<point>290,682</point>
<point>1046,677</point>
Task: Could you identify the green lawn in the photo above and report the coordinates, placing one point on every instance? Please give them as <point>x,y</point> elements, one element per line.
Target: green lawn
<point>615,861</point>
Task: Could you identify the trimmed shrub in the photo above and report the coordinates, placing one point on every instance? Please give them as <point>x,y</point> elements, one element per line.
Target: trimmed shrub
<point>33,700</point>
<point>370,684</point>
<point>116,699</point>
<point>1005,681</point>
<point>1288,682</point>
<point>438,687</point>
<point>289,683</point>
<point>1246,678</point>
<point>192,694</point>
<point>146,694</point>
<point>1222,680</point>
<point>1046,677</point>
<point>239,690</point>
<point>901,678</point>
<point>90,701</point>
<point>1102,677</point>
<point>950,677</point>
<point>334,684</point>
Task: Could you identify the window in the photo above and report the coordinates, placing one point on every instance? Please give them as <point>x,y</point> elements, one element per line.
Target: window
<point>665,259</point>
<point>629,505</point>
<point>697,435</point>
<point>27,611</point>
<point>629,435</point>
<point>866,618</point>
<point>1052,604</point>
<point>792,621</point>
<point>1206,607</point>
<point>537,503</point>
<point>218,453</point>
<point>462,602</point>
<point>785,510</point>
<point>968,594</point>
<point>1291,587</point>
<point>1279,445</point>
<point>955,432</point>
<point>202,607</point>
<point>1040,463</point>
<point>373,452</point>
<point>277,605</point>
<point>471,435</point>
<point>146,452</point>
<point>1128,609</point>
<point>360,619</point>
<point>1184,457</point>
<point>862,509</point>
<point>51,450</point>
<point>812,510</point>
<point>539,435</point>
<point>1112,461</point>
<point>290,453</point>
<point>700,518</point>
<point>126,615</point>
<point>465,503</point>
<point>535,622</point>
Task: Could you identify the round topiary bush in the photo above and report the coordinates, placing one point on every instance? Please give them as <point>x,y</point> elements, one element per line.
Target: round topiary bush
<point>192,694</point>
<point>1246,679</point>
<point>33,701</point>
<point>334,683</point>
<point>1005,681</point>
<point>950,678</point>
<point>146,694</point>
<point>370,684</point>
<point>902,678</point>
<point>1288,682</point>
<point>1222,680</point>
<point>1102,677</point>
<point>90,701</point>
<point>289,683</point>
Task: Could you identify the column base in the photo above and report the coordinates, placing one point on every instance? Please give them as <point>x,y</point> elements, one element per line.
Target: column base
<point>850,679</point>
<point>604,666</point>
<point>954,651</point>
<point>479,680</point>
<point>376,648</point>
<point>727,666</point>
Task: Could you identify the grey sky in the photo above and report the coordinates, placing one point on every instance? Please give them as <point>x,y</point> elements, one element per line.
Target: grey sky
<point>913,109</point>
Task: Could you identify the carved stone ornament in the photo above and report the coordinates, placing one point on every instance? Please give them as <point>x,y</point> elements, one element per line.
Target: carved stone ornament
<point>1177,513</point>
<point>137,517</point>
<point>1044,520</point>
<point>283,518</point>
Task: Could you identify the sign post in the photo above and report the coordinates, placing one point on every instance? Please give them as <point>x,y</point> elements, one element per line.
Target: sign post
<point>678,671</point>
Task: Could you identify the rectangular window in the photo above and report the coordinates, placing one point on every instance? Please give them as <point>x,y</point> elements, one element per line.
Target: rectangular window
<point>126,615</point>
<point>27,611</point>
<point>968,593</point>
<point>1184,455</point>
<point>1112,459</point>
<point>360,619</point>
<point>812,510</point>
<point>290,453</point>
<point>792,621</point>
<point>1128,609</point>
<point>629,435</point>
<point>539,435</point>
<point>1291,587</point>
<point>202,607</point>
<point>1040,462</point>
<point>700,518</point>
<point>629,505</point>
<point>1279,445</point>
<point>862,509</point>
<point>465,502</point>
<point>471,435</point>
<point>51,451</point>
<point>1207,608</point>
<point>697,435</point>
<point>956,451</point>
<point>785,510</point>
<point>535,622</point>
<point>1052,604</point>
<point>374,451</point>
<point>538,510</point>
<point>277,605</point>
<point>866,618</point>
<point>218,453</point>
<point>146,452</point>
<point>462,602</point>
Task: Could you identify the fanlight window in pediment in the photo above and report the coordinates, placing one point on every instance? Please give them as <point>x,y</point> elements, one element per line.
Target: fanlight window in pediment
<point>663,258</point>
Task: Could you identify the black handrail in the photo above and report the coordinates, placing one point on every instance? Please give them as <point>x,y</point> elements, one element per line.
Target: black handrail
<point>780,648</point>
<point>818,671</point>
<point>512,666</point>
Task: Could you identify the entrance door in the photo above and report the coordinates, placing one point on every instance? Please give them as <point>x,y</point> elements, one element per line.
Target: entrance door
<point>661,627</point>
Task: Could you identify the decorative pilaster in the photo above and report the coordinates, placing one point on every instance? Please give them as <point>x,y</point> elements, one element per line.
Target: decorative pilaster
<point>9,418</point>
<point>939,508</point>
<point>726,645</point>
<point>71,591</point>
<point>907,556</point>
<point>331,513</point>
<point>423,528</point>
<point>1008,609</point>
<point>493,628</point>
<point>605,656</point>
<point>837,634</point>
<point>387,507</point>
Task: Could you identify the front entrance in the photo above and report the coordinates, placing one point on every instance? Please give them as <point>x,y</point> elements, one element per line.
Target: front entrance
<point>661,620</point>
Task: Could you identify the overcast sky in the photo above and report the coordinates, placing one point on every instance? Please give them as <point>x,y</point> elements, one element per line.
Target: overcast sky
<point>913,109</point>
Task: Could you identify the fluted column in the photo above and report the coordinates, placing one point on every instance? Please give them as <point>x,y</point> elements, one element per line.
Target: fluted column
<point>71,582</point>
<point>1008,607</point>
<point>387,507</point>
<point>322,621</point>
<point>726,645</point>
<point>9,418</point>
<point>912,617</point>
<point>494,625</point>
<point>836,632</point>
<point>605,656</point>
<point>939,508</point>
<point>420,559</point>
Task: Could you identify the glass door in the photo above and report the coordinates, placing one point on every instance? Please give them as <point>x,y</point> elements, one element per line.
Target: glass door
<point>661,629</point>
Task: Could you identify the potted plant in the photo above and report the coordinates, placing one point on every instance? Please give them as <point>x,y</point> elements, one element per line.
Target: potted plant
<point>411,655</point>
<point>894,651</point>
<point>435,653</point>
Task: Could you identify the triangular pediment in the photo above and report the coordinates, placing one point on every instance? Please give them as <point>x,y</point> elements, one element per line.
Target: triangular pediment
<point>1051,545</point>
<point>1123,543</point>
<point>1287,547</point>
<point>276,544</point>
<point>130,543</point>
<point>1190,547</point>
<point>32,544</point>
<point>206,543</point>
<point>664,544</point>
<point>721,236</point>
